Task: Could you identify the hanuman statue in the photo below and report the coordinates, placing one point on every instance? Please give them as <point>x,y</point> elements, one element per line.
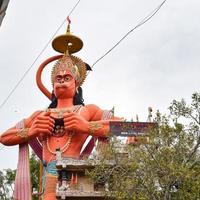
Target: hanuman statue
<point>67,123</point>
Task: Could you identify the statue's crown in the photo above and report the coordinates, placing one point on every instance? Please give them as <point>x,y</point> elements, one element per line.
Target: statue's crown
<point>69,44</point>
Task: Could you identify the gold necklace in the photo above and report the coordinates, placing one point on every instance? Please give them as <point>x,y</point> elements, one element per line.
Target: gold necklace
<point>61,111</point>
<point>64,148</point>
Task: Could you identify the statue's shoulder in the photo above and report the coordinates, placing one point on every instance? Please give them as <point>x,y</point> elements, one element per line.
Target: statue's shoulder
<point>94,111</point>
<point>29,120</point>
<point>92,106</point>
<point>35,114</point>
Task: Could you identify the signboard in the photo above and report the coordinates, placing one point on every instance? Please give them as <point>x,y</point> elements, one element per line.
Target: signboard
<point>126,129</point>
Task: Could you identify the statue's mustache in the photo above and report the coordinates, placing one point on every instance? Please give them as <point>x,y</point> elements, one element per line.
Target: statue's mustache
<point>61,86</point>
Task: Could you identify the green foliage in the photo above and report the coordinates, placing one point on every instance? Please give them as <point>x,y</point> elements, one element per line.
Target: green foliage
<point>7,178</point>
<point>35,172</point>
<point>168,167</point>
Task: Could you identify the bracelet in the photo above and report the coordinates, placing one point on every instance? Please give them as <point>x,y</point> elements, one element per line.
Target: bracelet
<point>23,133</point>
<point>94,126</point>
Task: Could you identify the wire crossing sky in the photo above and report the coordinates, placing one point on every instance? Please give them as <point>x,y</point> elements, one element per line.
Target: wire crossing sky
<point>142,22</point>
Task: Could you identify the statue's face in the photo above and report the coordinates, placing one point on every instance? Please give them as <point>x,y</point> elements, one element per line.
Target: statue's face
<point>64,85</point>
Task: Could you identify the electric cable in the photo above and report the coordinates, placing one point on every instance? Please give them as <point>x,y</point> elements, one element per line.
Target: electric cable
<point>143,21</point>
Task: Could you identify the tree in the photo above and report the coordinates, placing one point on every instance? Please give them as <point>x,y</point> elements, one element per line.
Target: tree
<point>7,178</point>
<point>168,167</point>
<point>35,172</point>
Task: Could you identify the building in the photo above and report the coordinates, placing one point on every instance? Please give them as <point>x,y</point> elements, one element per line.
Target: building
<point>3,7</point>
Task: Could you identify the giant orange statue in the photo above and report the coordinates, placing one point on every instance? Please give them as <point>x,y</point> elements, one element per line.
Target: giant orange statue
<point>67,123</point>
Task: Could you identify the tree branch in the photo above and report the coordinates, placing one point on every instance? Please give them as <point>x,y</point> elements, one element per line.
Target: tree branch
<point>193,151</point>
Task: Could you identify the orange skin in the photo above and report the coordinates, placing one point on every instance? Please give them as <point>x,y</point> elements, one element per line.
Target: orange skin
<point>41,124</point>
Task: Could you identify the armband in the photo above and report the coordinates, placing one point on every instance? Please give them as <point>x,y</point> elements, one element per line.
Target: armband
<point>23,133</point>
<point>93,127</point>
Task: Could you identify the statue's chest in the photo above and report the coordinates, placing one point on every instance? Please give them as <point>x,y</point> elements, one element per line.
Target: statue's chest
<point>58,141</point>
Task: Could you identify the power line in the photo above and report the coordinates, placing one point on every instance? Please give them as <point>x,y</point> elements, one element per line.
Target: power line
<point>143,21</point>
<point>27,71</point>
<point>72,10</point>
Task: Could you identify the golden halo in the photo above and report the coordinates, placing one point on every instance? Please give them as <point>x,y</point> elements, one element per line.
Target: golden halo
<point>68,42</point>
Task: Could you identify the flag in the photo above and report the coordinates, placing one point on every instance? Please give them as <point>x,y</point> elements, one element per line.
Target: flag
<point>68,19</point>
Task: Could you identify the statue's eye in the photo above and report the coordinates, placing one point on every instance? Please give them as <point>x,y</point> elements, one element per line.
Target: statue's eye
<point>58,79</point>
<point>68,78</point>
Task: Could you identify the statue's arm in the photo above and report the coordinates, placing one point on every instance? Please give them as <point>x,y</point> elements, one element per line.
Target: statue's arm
<point>17,134</point>
<point>98,122</point>
<point>27,129</point>
<point>91,122</point>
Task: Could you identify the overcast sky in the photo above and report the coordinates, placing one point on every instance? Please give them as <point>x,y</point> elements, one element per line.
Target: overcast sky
<point>157,63</point>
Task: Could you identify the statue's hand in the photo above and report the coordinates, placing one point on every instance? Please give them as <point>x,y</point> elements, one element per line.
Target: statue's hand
<point>75,122</point>
<point>42,125</point>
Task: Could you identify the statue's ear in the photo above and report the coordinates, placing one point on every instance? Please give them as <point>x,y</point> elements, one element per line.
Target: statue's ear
<point>88,67</point>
